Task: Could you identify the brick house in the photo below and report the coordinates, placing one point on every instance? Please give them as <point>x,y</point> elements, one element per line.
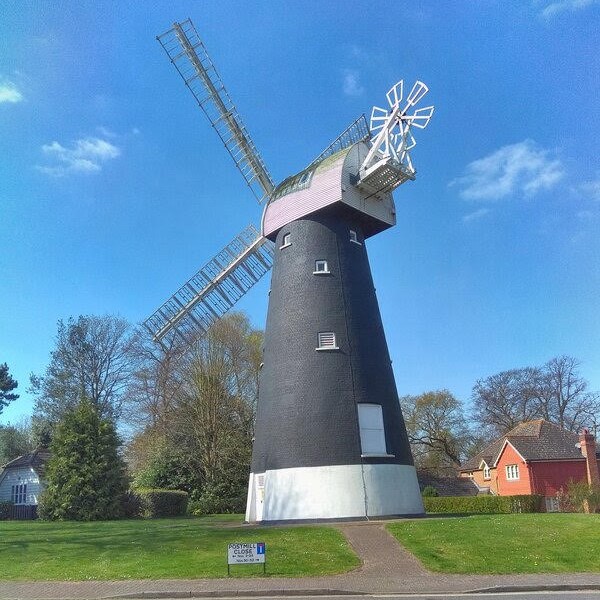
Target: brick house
<point>535,457</point>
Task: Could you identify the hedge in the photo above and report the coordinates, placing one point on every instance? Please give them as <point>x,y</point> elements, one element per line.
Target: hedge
<point>483,504</point>
<point>5,509</point>
<point>162,503</point>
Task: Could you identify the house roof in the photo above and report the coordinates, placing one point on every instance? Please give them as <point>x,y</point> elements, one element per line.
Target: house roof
<point>36,459</point>
<point>533,440</point>
<point>447,486</point>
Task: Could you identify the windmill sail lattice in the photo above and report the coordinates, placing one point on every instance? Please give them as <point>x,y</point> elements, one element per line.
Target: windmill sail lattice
<point>214,289</point>
<point>188,54</point>
<point>354,133</point>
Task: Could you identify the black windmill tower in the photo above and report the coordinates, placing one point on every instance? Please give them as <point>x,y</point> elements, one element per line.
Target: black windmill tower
<point>330,438</point>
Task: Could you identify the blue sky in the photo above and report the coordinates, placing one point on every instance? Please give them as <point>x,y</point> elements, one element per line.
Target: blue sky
<point>114,189</point>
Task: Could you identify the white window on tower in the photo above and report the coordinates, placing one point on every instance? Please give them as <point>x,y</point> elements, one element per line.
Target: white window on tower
<point>354,237</point>
<point>321,267</point>
<point>372,433</point>
<point>512,472</point>
<point>286,241</point>
<point>486,472</point>
<point>327,341</point>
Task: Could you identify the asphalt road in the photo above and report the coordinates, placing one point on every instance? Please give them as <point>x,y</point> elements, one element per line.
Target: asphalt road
<point>563,595</point>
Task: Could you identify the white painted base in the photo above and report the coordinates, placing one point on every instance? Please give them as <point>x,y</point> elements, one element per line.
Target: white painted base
<point>335,492</point>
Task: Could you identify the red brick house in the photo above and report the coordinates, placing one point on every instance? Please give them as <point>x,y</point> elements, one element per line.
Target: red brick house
<point>536,457</point>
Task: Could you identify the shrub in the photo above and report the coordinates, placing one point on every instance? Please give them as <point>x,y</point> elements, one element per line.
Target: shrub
<point>167,468</point>
<point>131,505</point>
<point>580,496</point>
<point>525,504</point>
<point>429,492</point>
<point>162,503</point>
<point>5,509</point>
<point>482,504</point>
<point>220,497</point>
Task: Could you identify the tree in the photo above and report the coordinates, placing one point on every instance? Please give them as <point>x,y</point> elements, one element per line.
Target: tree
<point>91,359</point>
<point>7,385</point>
<point>152,389</point>
<point>214,416</point>
<point>437,430</point>
<point>504,400</point>
<point>193,409</point>
<point>15,440</point>
<point>555,392</point>
<point>85,475</point>
<point>564,397</point>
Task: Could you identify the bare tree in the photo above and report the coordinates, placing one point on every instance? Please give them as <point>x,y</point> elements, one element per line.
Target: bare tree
<point>153,386</point>
<point>503,400</point>
<point>91,359</point>
<point>436,428</point>
<point>564,397</point>
<point>555,392</point>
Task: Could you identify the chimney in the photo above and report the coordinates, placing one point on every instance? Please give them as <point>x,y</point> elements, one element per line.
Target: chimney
<point>588,449</point>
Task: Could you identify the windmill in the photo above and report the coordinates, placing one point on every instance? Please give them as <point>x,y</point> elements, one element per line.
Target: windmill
<point>330,440</point>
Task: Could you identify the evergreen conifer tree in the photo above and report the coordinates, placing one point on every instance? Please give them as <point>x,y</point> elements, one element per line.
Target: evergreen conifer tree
<point>85,474</point>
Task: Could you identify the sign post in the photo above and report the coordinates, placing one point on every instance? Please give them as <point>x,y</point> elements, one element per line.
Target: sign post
<point>247,554</point>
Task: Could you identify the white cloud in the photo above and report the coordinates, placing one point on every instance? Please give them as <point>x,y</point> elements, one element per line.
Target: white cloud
<point>477,214</point>
<point>9,93</point>
<point>351,83</point>
<point>85,155</point>
<point>522,168</point>
<point>590,189</point>
<point>560,6</point>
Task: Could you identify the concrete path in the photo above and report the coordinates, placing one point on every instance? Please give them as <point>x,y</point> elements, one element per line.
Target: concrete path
<point>386,568</point>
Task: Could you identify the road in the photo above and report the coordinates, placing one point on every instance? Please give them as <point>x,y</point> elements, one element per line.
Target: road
<point>562,595</point>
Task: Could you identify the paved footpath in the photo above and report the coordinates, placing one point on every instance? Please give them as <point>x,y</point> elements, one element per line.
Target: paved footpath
<point>386,568</point>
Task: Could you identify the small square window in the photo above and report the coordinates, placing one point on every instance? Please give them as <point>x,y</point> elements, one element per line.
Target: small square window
<point>286,241</point>
<point>327,341</point>
<point>321,267</point>
<point>354,237</point>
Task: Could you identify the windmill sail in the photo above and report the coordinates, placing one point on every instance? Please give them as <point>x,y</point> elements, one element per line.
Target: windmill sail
<point>189,56</point>
<point>356,132</point>
<point>214,289</point>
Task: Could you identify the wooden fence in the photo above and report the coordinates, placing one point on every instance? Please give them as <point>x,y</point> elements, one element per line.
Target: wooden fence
<point>22,512</point>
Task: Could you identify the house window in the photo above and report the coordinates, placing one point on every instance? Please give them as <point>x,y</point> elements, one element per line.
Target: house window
<point>321,267</point>
<point>18,493</point>
<point>327,341</point>
<point>286,241</point>
<point>512,472</point>
<point>486,472</point>
<point>372,434</point>
<point>354,237</point>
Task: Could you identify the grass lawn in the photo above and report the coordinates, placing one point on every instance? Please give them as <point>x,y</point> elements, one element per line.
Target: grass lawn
<point>520,543</point>
<point>163,548</point>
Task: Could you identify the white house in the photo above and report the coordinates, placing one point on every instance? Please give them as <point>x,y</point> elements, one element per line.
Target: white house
<point>22,479</point>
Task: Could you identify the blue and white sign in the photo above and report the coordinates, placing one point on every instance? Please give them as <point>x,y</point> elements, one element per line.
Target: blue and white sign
<point>246,554</point>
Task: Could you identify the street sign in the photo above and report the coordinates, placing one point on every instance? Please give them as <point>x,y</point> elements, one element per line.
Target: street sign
<point>247,554</point>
